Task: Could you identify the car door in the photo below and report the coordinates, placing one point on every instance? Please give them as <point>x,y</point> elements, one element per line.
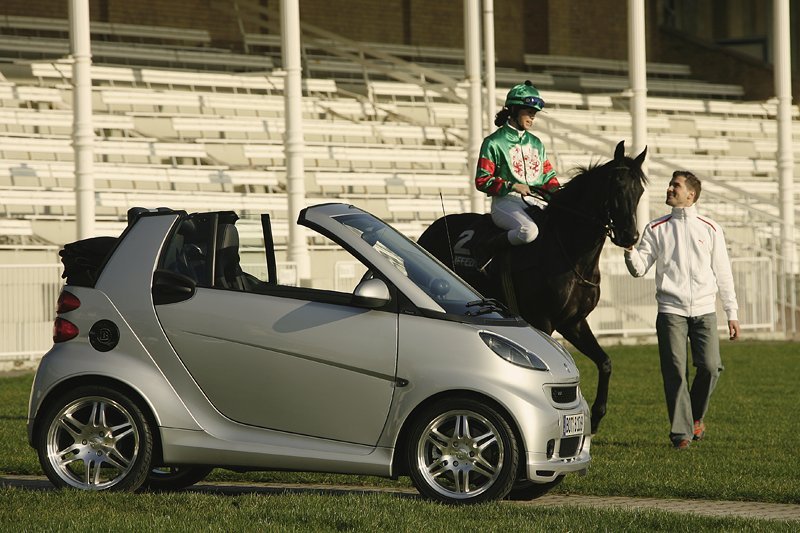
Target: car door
<point>299,360</point>
<point>288,363</point>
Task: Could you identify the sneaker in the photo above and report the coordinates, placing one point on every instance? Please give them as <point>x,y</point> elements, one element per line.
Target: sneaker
<point>699,430</point>
<point>681,444</point>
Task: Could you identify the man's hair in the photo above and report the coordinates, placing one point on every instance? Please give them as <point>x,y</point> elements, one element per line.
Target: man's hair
<point>692,182</point>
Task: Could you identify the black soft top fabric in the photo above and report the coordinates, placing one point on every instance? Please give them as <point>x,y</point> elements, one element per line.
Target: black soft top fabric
<point>82,259</point>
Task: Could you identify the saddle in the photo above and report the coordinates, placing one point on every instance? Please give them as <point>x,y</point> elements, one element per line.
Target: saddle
<point>474,237</point>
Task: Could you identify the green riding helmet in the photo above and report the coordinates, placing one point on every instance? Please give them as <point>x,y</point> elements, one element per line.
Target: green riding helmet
<point>524,94</point>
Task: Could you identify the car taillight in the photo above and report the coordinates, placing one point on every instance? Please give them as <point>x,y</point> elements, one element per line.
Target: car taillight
<point>64,330</point>
<point>67,302</point>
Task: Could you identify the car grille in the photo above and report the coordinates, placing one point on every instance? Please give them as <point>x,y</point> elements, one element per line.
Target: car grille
<point>564,394</point>
<point>570,446</point>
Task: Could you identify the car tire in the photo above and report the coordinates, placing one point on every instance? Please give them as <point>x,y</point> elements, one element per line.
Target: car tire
<point>95,438</point>
<point>526,490</point>
<point>462,452</point>
<point>175,477</point>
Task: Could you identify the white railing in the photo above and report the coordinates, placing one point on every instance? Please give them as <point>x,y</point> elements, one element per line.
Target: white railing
<point>627,306</point>
<point>28,295</point>
<point>286,271</point>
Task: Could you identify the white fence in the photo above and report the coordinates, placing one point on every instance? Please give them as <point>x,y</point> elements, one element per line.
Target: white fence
<point>627,305</point>
<point>28,295</point>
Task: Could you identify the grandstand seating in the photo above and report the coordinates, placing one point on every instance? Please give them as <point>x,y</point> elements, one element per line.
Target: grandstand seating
<point>213,138</point>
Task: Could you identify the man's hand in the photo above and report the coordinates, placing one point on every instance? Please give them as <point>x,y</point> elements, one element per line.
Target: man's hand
<point>733,329</point>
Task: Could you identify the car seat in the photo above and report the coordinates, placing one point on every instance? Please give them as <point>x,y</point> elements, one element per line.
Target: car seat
<point>228,273</point>
<point>192,255</point>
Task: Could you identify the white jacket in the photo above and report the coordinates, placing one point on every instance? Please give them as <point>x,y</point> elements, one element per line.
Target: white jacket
<point>691,263</point>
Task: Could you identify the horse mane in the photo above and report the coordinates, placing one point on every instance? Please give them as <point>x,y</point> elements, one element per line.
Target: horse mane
<point>581,175</point>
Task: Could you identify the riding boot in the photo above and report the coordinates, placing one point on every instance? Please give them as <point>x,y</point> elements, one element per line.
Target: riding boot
<point>489,250</point>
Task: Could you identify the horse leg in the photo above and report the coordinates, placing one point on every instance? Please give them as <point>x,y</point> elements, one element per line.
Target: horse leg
<point>581,336</point>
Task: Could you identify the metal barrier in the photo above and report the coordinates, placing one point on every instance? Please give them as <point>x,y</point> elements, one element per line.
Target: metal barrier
<point>286,271</point>
<point>627,305</point>
<point>628,308</point>
<point>346,275</point>
<point>27,309</point>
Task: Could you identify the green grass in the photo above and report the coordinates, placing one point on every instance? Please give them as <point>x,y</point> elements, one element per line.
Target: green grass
<point>748,455</point>
<point>201,511</point>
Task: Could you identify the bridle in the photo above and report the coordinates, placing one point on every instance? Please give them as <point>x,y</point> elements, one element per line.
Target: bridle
<point>607,224</point>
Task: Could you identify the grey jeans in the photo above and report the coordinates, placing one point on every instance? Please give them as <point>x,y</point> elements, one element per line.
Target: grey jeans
<point>685,404</point>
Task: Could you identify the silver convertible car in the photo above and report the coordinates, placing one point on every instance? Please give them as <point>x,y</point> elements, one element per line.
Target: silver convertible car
<point>170,360</point>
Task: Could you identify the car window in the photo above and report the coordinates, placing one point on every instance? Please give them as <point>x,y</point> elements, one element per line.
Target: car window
<point>207,247</point>
<point>187,252</point>
<point>438,282</point>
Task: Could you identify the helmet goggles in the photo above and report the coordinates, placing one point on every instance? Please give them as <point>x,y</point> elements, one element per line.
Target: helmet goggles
<point>533,101</point>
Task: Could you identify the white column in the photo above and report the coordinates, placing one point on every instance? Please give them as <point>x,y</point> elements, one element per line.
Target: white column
<point>783,91</point>
<point>82,132</point>
<point>637,69</point>
<point>293,142</point>
<point>472,62</point>
<point>488,53</point>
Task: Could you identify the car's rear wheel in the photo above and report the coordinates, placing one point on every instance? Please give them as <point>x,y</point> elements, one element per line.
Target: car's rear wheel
<point>176,477</point>
<point>462,452</point>
<point>95,438</point>
<point>526,490</point>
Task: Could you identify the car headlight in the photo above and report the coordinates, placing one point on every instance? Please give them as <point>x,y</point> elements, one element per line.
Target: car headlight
<point>512,352</point>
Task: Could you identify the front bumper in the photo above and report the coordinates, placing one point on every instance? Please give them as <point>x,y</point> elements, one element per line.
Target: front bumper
<point>542,469</point>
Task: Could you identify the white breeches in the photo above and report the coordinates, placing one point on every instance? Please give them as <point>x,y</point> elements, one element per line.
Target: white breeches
<point>508,212</point>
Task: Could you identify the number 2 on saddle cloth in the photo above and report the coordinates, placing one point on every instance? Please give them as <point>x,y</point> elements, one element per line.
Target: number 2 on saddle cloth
<point>473,237</point>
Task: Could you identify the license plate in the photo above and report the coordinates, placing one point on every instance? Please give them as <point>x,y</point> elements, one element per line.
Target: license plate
<point>573,425</point>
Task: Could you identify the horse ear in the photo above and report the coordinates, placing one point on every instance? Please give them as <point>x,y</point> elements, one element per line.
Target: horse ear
<point>619,152</point>
<point>640,158</point>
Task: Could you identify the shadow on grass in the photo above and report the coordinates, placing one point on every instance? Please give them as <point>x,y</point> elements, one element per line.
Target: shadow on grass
<point>227,489</point>
<point>236,490</point>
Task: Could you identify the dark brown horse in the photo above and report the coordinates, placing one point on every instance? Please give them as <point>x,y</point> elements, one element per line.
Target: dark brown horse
<point>554,282</point>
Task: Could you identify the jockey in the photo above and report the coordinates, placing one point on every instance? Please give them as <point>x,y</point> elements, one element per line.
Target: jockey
<point>511,161</point>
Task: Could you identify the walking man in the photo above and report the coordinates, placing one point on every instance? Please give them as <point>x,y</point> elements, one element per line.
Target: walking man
<point>691,266</point>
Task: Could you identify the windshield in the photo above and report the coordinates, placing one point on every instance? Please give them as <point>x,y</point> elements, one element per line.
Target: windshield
<point>448,290</point>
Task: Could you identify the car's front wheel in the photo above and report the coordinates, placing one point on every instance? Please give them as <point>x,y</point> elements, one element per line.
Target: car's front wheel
<point>461,451</point>
<point>95,438</point>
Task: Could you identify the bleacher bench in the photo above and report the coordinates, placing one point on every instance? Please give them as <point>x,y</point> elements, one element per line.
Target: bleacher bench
<point>599,64</point>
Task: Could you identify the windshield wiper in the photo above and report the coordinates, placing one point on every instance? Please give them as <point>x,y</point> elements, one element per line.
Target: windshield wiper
<point>487,305</point>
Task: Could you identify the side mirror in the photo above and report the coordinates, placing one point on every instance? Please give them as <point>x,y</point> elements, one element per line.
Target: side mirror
<point>372,293</point>
<point>170,287</point>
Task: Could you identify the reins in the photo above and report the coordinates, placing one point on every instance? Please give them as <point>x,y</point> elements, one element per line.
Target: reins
<point>581,279</point>
<point>607,226</point>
